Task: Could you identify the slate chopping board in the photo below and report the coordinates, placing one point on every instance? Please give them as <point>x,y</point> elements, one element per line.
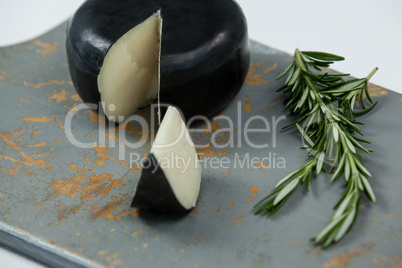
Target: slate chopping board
<point>66,206</point>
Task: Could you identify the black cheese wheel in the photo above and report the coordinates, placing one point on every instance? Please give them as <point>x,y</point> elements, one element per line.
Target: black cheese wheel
<point>204,49</point>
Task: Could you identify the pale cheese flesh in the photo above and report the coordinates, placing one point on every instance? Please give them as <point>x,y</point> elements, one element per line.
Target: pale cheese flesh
<point>129,77</point>
<point>175,152</point>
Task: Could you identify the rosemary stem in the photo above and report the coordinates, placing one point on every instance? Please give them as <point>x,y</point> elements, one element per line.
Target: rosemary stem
<point>328,113</point>
<point>315,90</point>
<point>351,94</point>
<point>304,68</point>
<point>372,73</point>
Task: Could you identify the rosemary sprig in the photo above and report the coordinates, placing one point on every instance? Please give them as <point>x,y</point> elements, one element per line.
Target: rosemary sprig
<point>325,104</point>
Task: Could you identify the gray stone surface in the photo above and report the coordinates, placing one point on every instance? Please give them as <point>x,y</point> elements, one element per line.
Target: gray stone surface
<point>67,206</point>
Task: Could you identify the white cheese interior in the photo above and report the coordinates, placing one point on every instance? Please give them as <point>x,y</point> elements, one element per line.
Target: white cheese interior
<point>129,77</point>
<point>175,152</point>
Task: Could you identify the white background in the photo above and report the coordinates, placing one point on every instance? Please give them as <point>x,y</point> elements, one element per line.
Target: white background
<point>367,33</point>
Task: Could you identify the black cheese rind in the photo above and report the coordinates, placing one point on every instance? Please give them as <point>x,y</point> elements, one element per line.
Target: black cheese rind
<point>204,49</point>
<point>153,191</point>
